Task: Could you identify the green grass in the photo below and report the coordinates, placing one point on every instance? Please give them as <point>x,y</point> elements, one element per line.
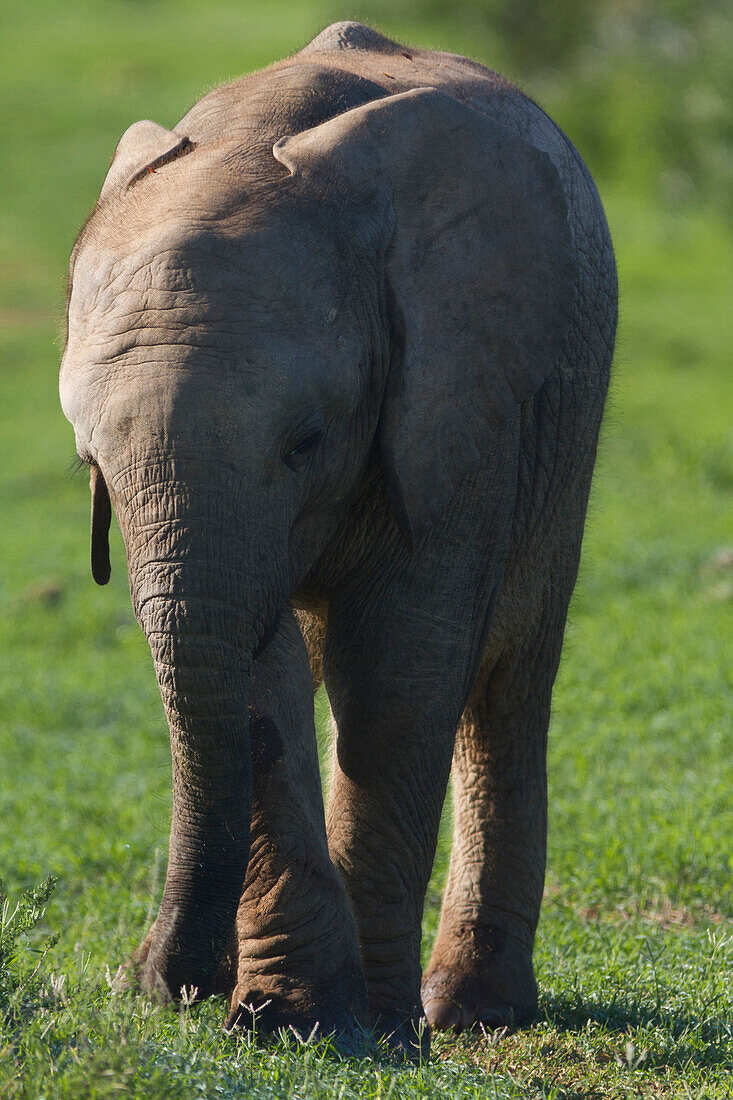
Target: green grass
<point>635,947</point>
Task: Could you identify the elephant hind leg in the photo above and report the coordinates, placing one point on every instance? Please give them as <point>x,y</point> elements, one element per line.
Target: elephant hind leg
<point>481,967</point>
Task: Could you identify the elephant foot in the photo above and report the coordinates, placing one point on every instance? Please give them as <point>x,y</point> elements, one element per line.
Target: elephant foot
<point>299,967</point>
<point>407,1037</point>
<point>479,976</point>
<point>306,1015</point>
<point>135,974</point>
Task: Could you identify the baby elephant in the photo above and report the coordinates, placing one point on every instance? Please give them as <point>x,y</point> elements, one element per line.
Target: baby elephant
<point>338,347</point>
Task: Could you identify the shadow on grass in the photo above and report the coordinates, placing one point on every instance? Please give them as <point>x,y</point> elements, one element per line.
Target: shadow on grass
<point>675,1039</point>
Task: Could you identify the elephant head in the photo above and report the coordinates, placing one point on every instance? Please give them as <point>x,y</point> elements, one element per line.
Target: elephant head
<point>247,335</point>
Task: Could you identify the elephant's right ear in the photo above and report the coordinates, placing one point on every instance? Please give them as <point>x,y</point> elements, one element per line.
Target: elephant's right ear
<point>480,270</point>
<point>144,147</point>
<point>101,519</point>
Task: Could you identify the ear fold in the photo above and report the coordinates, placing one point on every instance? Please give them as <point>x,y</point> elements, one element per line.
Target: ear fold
<point>480,270</point>
<point>143,147</point>
<point>101,518</point>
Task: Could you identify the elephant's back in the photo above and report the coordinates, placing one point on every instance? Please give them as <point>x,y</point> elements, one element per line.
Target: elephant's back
<point>397,67</point>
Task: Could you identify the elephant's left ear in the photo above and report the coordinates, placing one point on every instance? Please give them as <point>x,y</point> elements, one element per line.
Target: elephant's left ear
<point>480,269</point>
<point>144,147</point>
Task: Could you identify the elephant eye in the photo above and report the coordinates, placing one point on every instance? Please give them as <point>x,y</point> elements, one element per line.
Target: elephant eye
<point>304,447</point>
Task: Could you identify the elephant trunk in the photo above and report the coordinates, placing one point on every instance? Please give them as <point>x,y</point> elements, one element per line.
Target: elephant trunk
<point>205,688</point>
<point>186,579</point>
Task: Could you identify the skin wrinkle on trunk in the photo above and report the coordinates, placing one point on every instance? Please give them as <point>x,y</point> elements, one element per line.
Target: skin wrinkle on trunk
<point>209,843</point>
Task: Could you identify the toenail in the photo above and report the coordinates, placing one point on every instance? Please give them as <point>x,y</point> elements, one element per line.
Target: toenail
<point>443,1014</point>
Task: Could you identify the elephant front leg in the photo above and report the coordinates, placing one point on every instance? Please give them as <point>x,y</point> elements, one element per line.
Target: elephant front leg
<point>297,953</point>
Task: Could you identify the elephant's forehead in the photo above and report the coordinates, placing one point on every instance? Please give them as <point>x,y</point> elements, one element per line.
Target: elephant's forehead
<point>193,276</point>
<point>189,299</point>
<point>263,265</point>
<point>184,346</point>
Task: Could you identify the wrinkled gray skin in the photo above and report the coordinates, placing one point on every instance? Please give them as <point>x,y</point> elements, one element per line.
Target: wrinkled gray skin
<point>338,348</point>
